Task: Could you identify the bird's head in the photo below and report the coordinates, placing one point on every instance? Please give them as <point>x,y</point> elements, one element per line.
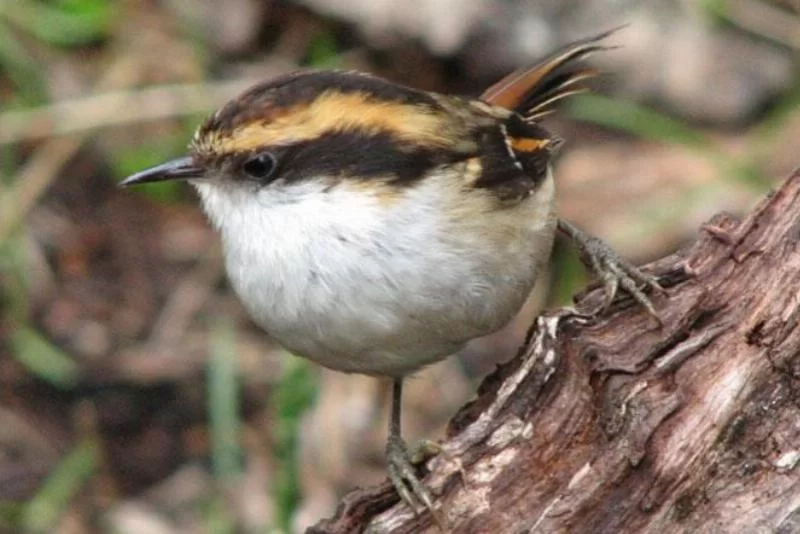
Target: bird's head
<point>321,126</point>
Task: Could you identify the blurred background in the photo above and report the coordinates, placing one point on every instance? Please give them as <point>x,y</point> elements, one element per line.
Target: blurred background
<point>136,396</point>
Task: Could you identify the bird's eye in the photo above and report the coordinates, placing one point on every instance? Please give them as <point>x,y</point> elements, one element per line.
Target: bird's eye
<point>260,166</point>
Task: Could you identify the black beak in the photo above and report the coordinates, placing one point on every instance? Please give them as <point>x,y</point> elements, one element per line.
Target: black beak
<point>177,169</point>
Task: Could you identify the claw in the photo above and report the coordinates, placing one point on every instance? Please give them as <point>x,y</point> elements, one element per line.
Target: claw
<point>610,283</point>
<point>614,271</point>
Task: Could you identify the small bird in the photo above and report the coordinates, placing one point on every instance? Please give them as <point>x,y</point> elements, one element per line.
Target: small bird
<point>374,228</point>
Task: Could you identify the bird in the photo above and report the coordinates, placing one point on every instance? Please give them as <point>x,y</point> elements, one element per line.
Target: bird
<point>376,228</point>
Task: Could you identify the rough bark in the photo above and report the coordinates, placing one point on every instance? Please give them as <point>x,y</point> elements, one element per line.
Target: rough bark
<point>619,424</point>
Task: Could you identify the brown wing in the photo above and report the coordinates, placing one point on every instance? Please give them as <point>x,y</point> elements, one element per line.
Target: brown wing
<point>531,91</point>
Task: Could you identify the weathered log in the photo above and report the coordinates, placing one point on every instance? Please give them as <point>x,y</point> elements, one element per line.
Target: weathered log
<point>618,424</point>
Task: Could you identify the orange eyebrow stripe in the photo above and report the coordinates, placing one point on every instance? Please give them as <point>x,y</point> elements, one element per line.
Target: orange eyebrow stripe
<point>527,144</point>
<point>333,111</point>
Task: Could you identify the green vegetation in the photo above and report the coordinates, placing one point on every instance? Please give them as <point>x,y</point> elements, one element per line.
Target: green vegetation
<point>223,403</point>
<point>42,513</point>
<point>649,124</point>
<point>42,358</point>
<point>293,396</point>
<point>67,23</point>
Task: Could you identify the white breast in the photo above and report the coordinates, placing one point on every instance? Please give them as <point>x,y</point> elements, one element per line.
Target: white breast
<point>379,285</point>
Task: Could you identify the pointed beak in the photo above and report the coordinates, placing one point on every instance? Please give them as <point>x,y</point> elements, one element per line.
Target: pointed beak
<point>177,169</point>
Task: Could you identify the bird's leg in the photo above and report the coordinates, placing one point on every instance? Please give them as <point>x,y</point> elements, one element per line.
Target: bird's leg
<point>400,465</point>
<point>612,269</point>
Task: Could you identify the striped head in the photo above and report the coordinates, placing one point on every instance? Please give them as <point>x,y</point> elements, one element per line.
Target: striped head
<point>335,127</point>
<point>331,126</point>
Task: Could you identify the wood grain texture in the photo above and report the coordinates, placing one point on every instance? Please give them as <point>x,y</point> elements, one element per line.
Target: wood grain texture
<point>621,425</point>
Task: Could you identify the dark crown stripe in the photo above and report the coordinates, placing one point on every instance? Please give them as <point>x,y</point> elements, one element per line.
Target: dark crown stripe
<point>364,155</point>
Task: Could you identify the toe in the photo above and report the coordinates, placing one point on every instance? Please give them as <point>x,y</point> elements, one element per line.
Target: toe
<point>611,286</point>
<point>405,480</point>
<point>630,286</point>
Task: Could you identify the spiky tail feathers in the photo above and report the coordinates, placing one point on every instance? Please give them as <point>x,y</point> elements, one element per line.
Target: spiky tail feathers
<point>532,91</point>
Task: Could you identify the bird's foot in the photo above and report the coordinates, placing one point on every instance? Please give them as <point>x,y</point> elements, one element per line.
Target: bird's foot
<point>613,270</point>
<point>403,474</point>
